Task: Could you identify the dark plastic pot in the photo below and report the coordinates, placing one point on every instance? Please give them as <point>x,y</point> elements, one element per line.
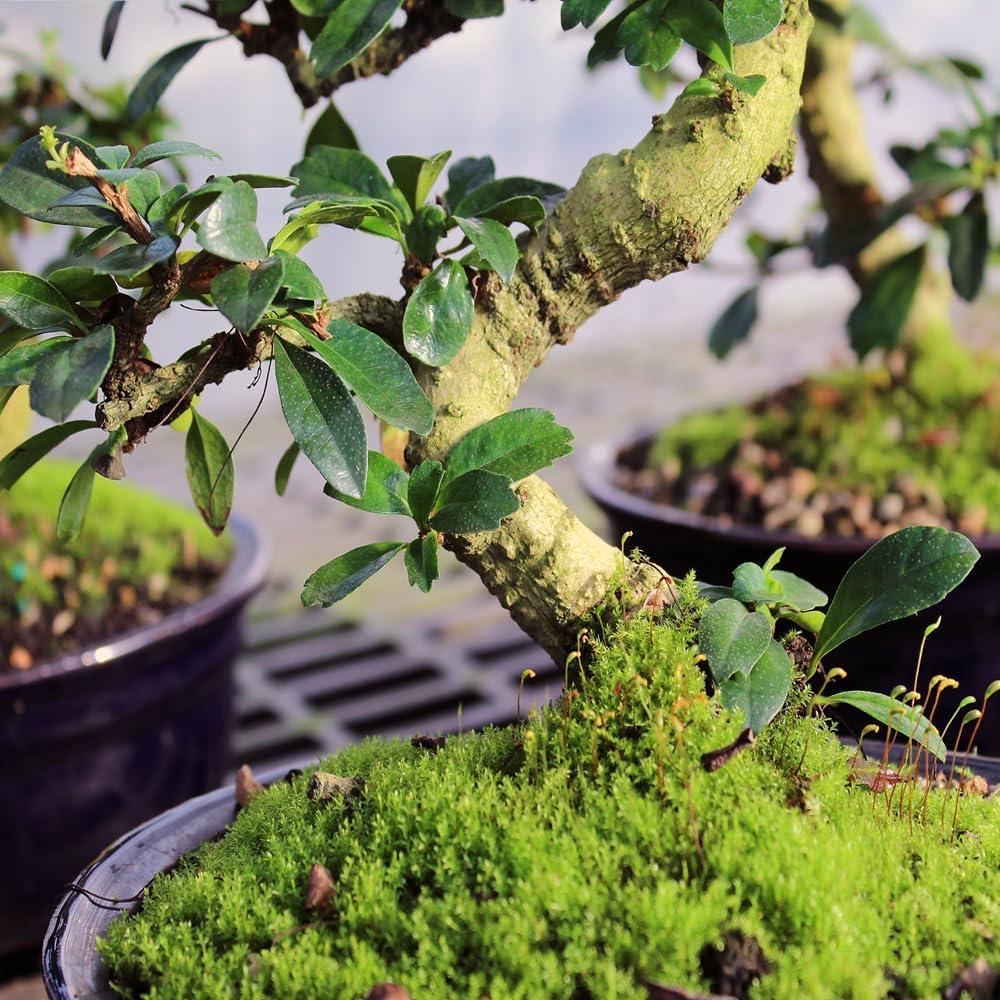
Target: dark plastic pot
<point>71,967</point>
<point>965,648</point>
<point>98,741</point>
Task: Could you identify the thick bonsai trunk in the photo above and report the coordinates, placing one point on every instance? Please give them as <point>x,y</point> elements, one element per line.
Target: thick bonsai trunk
<point>641,214</point>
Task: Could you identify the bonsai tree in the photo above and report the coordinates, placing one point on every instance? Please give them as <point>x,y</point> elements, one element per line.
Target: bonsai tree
<point>441,366</point>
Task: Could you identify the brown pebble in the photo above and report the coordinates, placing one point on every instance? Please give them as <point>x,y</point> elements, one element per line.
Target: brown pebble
<point>809,523</point>
<point>319,889</point>
<point>975,785</point>
<point>247,786</point>
<point>20,659</point>
<point>387,991</point>
<point>973,521</point>
<point>890,507</point>
<point>63,621</point>
<point>127,596</point>
<point>801,483</point>
<point>323,787</point>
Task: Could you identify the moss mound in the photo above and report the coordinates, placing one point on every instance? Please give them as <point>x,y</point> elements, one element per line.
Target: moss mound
<point>931,438</point>
<point>585,853</point>
<point>137,557</point>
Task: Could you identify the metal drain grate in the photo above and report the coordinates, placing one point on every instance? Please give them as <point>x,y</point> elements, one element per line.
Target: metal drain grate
<point>311,682</point>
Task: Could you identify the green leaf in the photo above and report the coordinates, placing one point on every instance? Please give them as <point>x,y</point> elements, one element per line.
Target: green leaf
<point>322,417</point>
<point>33,303</point>
<point>331,129</point>
<point>71,373</point>
<point>19,364</point>
<point>514,444</point>
<point>170,149</point>
<point>350,210</point>
<point>243,295</point>
<point>264,180</point>
<point>476,501</point>
<point>430,223</point>
<point>385,490</point>
<point>113,156</point>
<point>699,23</point>
<point>298,280</point>
<point>732,638</point>
<point>471,9</point>
<point>284,468</point>
<point>97,238</point>
<point>584,12</point>
<point>466,175</point>
<point>510,199</point>
<point>425,484</point>
<point>606,47</point>
<point>415,175</point>
<point>349,28</point>
<point>136,258</point>
<point>735,323</point>
<point>747,20</point>
<point>209,472</point>
<point>30,187</point>
<point>646,36</point>
<point>439,315</point>
<point>81,284</point>
<point>74,504</point>
<point>493,243</point>
<point>760,695</point>
<point>143,190</point>
<point>160,211</point>
<point>880,314</point>
<point>750,585</point>
<point>334,581</point>
<point>110,29</point>
<point>906,719</point>
<point>195,202</point>
<point>229,227</point>
<point>702,87</point>
<point>17,462</point>
<point>969,247</point>
<point>154,82</point>
<point>422,561</point>
<point>328,170</point>
<point>798,593</point>
<point>747,84</point>
<point>898,576</point>
<point>378,374</point>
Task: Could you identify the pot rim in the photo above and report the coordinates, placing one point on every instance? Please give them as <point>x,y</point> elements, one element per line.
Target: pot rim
<point>596,463</point>
<point>243,576</point>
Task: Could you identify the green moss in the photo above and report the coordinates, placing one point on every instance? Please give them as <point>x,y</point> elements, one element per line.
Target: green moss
<point>585,850</point>
<point>130,537</point>
<point>861,428</point>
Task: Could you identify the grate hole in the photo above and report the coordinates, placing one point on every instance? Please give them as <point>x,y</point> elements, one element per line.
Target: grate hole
<point>501,650</point>
<point>293,746</point>
<point>391,687</point>
<point>416,715</point>
<point>326,662</point>
<point>255,717</point>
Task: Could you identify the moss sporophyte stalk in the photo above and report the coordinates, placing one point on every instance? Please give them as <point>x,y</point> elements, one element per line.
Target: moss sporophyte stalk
<point>586,851</point>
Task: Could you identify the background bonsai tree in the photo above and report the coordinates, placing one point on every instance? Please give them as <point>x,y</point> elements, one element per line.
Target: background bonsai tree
<point>481,308</point>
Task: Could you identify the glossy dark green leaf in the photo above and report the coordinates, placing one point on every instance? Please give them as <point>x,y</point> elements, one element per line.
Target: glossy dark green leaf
<point>969,247</point>
<point>154,82</point>
<point>585,12</point>
<point>747,20</point>
<point>11,335</point>
<point>750,584</point>
<point>337,170</point>
<point>322,417</point>
<point>898,576</point>
<point>71,373</point>
<point>747,84</point>
<point>96,239</point>
<point>472,9</point>
<point>331,129</point>
<point>386,489</point>
<point>17,462</point>
<point>81,284</point>
<point>735,323</point>
<point>19,364</point>
<point>30,187</point>
<point>515,444</point>
<point>74,503</point>
<point>210,472</point>
<point>508,198</point>
<point>114,157</point>
<point>476,501</point>
<point>493,243</point>
<point>378,374</point>
<point>646,36</point>
<point>761,694</point>
<point>880,314</point>
<point>425,484</point>
<point>189,206</point>
<point>136,258</point>
<point>429,224</point>
<point>606,47</point>
<point>702,87</point>
<point>110,29</point>
<point>906,719</point>
<point>699,23</point>
<point>350,26</point>
<point>243,294</point>
<point>798,593</point>
<point>348,210</point>
<point>170,149</point>
<point>89,198</point>
<point>343,575</point>
<point>229,227</point>
<point>35,304</point>
<point>439,315</point>
<point>466,175</point>
<point>732,638</point>
<point>422,562</point>
<point>415,175</point>
<point>284,468</point>
<point>298,280</point>
<point>160,211</point>
<point>264,180</point>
